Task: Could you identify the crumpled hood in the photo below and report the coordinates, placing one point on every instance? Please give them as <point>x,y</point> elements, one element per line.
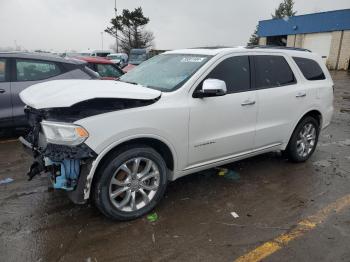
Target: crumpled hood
<point>65,93</point>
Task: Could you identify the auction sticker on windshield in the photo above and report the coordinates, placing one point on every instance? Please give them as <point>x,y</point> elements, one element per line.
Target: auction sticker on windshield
<point>192,59</point>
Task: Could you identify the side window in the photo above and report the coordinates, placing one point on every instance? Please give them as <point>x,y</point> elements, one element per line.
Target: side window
<point>33,70</point>
<point>235,72</point>
<point>2,70</point>
<point>272,71</point>
<point>106,70</point>
<point>310,68</point>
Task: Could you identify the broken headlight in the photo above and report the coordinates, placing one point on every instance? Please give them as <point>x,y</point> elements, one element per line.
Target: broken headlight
<point>64,133</point>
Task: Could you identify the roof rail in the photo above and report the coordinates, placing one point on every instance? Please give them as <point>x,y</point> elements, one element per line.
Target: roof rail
<point>278,47</point>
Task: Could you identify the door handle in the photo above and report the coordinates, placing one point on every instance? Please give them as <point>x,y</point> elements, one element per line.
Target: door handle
<point>300,94</point>
<point>2,91</point>
<point>248,103</point>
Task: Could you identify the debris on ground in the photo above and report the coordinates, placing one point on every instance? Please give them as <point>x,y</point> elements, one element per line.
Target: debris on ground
<point>322,163</point>
<point>185,198</point>
<point>345,142</point>
<point>6,180</point>
<point>234,214</point>
<point>227,173</point>
<point>152,217</point>
<point>153,238</point>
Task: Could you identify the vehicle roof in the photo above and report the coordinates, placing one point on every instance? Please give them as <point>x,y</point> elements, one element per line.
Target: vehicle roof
<point>39,56</point>
<point>102,51</point>
<point>111,54</point>
<point>213,51</point>
<point>94,59</point>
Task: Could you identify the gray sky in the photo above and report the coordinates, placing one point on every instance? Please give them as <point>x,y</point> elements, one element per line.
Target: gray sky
<point>61,25</point>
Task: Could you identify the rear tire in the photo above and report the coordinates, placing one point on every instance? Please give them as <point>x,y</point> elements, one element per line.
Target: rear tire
<point>303,141</point>
<point>130,183</point>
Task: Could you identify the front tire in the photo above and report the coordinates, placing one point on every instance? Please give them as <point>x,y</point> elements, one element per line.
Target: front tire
<point>304,140</point>
<point>130,183</point>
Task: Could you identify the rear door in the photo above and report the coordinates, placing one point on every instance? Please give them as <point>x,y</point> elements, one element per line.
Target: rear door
<point>5,94</point>
<point>282,98</point>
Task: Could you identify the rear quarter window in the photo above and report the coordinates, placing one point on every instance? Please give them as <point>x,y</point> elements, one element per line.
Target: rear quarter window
<point>2,70</point>
<point>310,68</point>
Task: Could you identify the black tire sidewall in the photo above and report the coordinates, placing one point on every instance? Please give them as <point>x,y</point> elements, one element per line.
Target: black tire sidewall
<point>101,188</point>
<point>292,145</point>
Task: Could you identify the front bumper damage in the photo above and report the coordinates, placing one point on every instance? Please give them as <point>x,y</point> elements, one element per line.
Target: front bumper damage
<point>67,166</point>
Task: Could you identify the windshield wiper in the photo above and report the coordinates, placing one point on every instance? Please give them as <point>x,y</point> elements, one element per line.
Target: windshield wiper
<point>133,83</point>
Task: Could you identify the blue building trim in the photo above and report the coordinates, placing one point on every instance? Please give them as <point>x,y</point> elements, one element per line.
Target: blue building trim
<point>311,23</point>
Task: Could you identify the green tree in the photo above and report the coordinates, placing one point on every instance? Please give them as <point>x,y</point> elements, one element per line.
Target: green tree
<point>254,38</point>
<point>285,9</point>
<point>129,30</point>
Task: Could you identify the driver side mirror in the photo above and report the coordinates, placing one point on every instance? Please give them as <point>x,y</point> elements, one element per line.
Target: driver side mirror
<point>212,87</point>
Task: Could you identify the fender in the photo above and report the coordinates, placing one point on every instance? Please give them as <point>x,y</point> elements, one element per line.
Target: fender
<point>295,123</point>
<point>96,162</point>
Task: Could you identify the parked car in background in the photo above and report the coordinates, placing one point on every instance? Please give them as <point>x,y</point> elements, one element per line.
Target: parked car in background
<point>128,67</point>
<point>137,56</point>
<point>99,53</point>
<point>178,113</point>
<point>104,67</point>
<point>20,70</point>
<point>120,59</point>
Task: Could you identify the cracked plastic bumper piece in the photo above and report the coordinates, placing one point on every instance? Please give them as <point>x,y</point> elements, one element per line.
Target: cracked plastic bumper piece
<point>67,166</point>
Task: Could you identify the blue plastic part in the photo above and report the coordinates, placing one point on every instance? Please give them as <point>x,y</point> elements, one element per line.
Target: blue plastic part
<point>69,174</point>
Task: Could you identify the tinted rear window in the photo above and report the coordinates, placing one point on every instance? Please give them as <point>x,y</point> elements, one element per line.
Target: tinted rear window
<point>272,71</point>
<point>310,68</point>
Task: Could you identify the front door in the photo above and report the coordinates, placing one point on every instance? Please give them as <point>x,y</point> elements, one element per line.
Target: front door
<point>5,94</point>
<point>223,126</point>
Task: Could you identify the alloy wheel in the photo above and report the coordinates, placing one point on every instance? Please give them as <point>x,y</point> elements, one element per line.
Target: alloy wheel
<point>306,140</point>
<point>134,184</point>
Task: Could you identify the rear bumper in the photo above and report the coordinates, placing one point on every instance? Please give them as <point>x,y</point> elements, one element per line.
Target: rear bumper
<point>327,117</point>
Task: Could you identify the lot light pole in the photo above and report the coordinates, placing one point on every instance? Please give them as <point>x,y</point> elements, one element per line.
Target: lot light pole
<point>116,29</point>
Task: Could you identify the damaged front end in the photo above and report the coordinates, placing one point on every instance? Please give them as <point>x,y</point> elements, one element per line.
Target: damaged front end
<point>57,144</point>
<point>66,164</point>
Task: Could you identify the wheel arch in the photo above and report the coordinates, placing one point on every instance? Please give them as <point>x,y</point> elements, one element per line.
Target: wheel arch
<point>315,113</point>
<point>163,147</point>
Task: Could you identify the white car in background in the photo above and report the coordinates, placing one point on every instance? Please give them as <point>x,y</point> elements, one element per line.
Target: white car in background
<point>184,111</point>
<point>121,59</point>
<point>99,53</point>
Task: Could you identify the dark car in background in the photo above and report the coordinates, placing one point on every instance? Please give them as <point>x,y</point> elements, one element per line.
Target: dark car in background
<point>104,67</point>
<point>21,70</point>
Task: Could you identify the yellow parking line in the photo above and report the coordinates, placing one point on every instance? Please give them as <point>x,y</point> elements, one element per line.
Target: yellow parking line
<point>8,141</point>
<point>302,227</point>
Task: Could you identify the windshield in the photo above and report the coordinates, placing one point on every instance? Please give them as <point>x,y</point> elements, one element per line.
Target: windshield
<point>165,72</point>
<point>114,57</point>
<point>137,58</point>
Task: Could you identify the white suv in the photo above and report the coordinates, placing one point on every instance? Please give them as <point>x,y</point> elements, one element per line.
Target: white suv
<point>120,142</point>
